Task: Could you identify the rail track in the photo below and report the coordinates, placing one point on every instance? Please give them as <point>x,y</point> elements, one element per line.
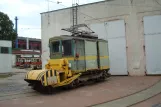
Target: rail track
<point>135,103</point>
<point>155,105</point>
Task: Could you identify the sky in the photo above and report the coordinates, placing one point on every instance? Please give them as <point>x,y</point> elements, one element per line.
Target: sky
<point>28,13</point>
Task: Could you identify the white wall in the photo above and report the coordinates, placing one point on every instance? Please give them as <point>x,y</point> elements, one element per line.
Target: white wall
<point>4,43</point>
<point>13,60</point>
<point>5,59</point>
<point>131,11</point>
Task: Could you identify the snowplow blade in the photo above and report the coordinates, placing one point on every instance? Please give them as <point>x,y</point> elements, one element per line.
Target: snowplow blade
<point>34,75</point>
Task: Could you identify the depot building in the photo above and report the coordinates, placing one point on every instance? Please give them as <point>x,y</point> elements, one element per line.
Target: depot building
<point>132,28</point>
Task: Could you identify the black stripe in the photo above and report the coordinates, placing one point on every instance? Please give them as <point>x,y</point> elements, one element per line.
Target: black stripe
<point>55,72</point>
<point>51,73</point>
<point>43,78</point>
<point>27,74</point>
<point>41,75</point>
<point>47,74</point>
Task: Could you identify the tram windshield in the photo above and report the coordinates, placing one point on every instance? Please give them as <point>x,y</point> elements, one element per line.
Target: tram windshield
<point>63,48</point>
<point>55,47</point>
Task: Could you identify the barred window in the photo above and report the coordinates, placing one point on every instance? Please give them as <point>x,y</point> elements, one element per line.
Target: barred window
<point>5,50</point>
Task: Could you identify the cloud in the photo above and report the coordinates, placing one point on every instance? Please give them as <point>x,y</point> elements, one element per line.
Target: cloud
<point>28,12</point>
<point>23,8</point>
<point>28,15</point>
<point>29,31</point>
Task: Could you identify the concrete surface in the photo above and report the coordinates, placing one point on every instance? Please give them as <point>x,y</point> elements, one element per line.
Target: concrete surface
<point>15,92</point>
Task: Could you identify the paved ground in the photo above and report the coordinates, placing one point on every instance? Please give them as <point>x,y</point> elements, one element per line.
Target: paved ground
<point>135,98</point>
<point>15,92</point>
<point>14,83</point>
<point>152,102</point>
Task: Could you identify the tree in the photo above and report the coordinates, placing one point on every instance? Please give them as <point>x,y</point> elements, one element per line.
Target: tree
<point>7,31</point>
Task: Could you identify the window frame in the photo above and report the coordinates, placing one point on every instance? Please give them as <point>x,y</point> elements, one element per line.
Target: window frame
<point>51,47</point>
<point>71,46</point>
<point>3,52</point>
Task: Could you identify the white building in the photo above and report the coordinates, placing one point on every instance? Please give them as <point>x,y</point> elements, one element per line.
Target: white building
<point>5,56</point>
<point>132,27</point>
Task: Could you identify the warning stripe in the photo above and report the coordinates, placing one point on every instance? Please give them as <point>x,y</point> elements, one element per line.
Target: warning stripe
<point>42,80</point>
<point>40,75</point>
<point>27,74</point>
<point>53,72</point>
<point>47,75</point>
<point>45,81</point>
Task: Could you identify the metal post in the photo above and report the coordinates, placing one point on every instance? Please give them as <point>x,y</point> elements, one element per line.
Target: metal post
<point>27,43</point>
<point>16,43</point>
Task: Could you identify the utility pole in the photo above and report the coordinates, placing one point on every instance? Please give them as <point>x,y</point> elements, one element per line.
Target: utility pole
<point>16,26</point>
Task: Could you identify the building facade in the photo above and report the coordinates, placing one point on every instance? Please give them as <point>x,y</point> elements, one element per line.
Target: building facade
<point>132,28</point>
<point>5,56</point>
<point>28,43</point>
<point>28,52</point>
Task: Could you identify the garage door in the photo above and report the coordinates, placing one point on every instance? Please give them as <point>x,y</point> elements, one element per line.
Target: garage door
<point>114,32</point>
<point>152,33</point>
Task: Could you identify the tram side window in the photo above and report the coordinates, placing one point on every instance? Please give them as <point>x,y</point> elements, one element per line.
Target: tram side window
<point>55,47</point>
<point>67,47</point>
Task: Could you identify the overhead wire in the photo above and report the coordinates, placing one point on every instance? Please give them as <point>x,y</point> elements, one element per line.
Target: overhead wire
<point>131,3</point>
<point>29,28</point>
<point>157,2</point>
<point>79,11</point>
<point>60,3</point>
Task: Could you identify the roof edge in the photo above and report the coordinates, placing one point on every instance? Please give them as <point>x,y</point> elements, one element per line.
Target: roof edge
<point>71,7</point>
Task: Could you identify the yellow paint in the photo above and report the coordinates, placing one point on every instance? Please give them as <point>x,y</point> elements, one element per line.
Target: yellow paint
<point>58,77</point>
<point>67,81</point>
<point>87,58</point>
<point>49,73</point>
<point>32,75</point>
<point>70,73</point>
<point>60,65</point>
<point>104,67</point>
<point>93,69</point>
<point>40,76</point>
<point>103,57</point>
<point>77,71</point>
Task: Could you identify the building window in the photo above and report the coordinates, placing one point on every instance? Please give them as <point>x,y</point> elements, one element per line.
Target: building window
<point>19,46</point>
<point>24,46</point>
<point>5,50</point>
<point>30,47</point>
<point>38,48</point>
